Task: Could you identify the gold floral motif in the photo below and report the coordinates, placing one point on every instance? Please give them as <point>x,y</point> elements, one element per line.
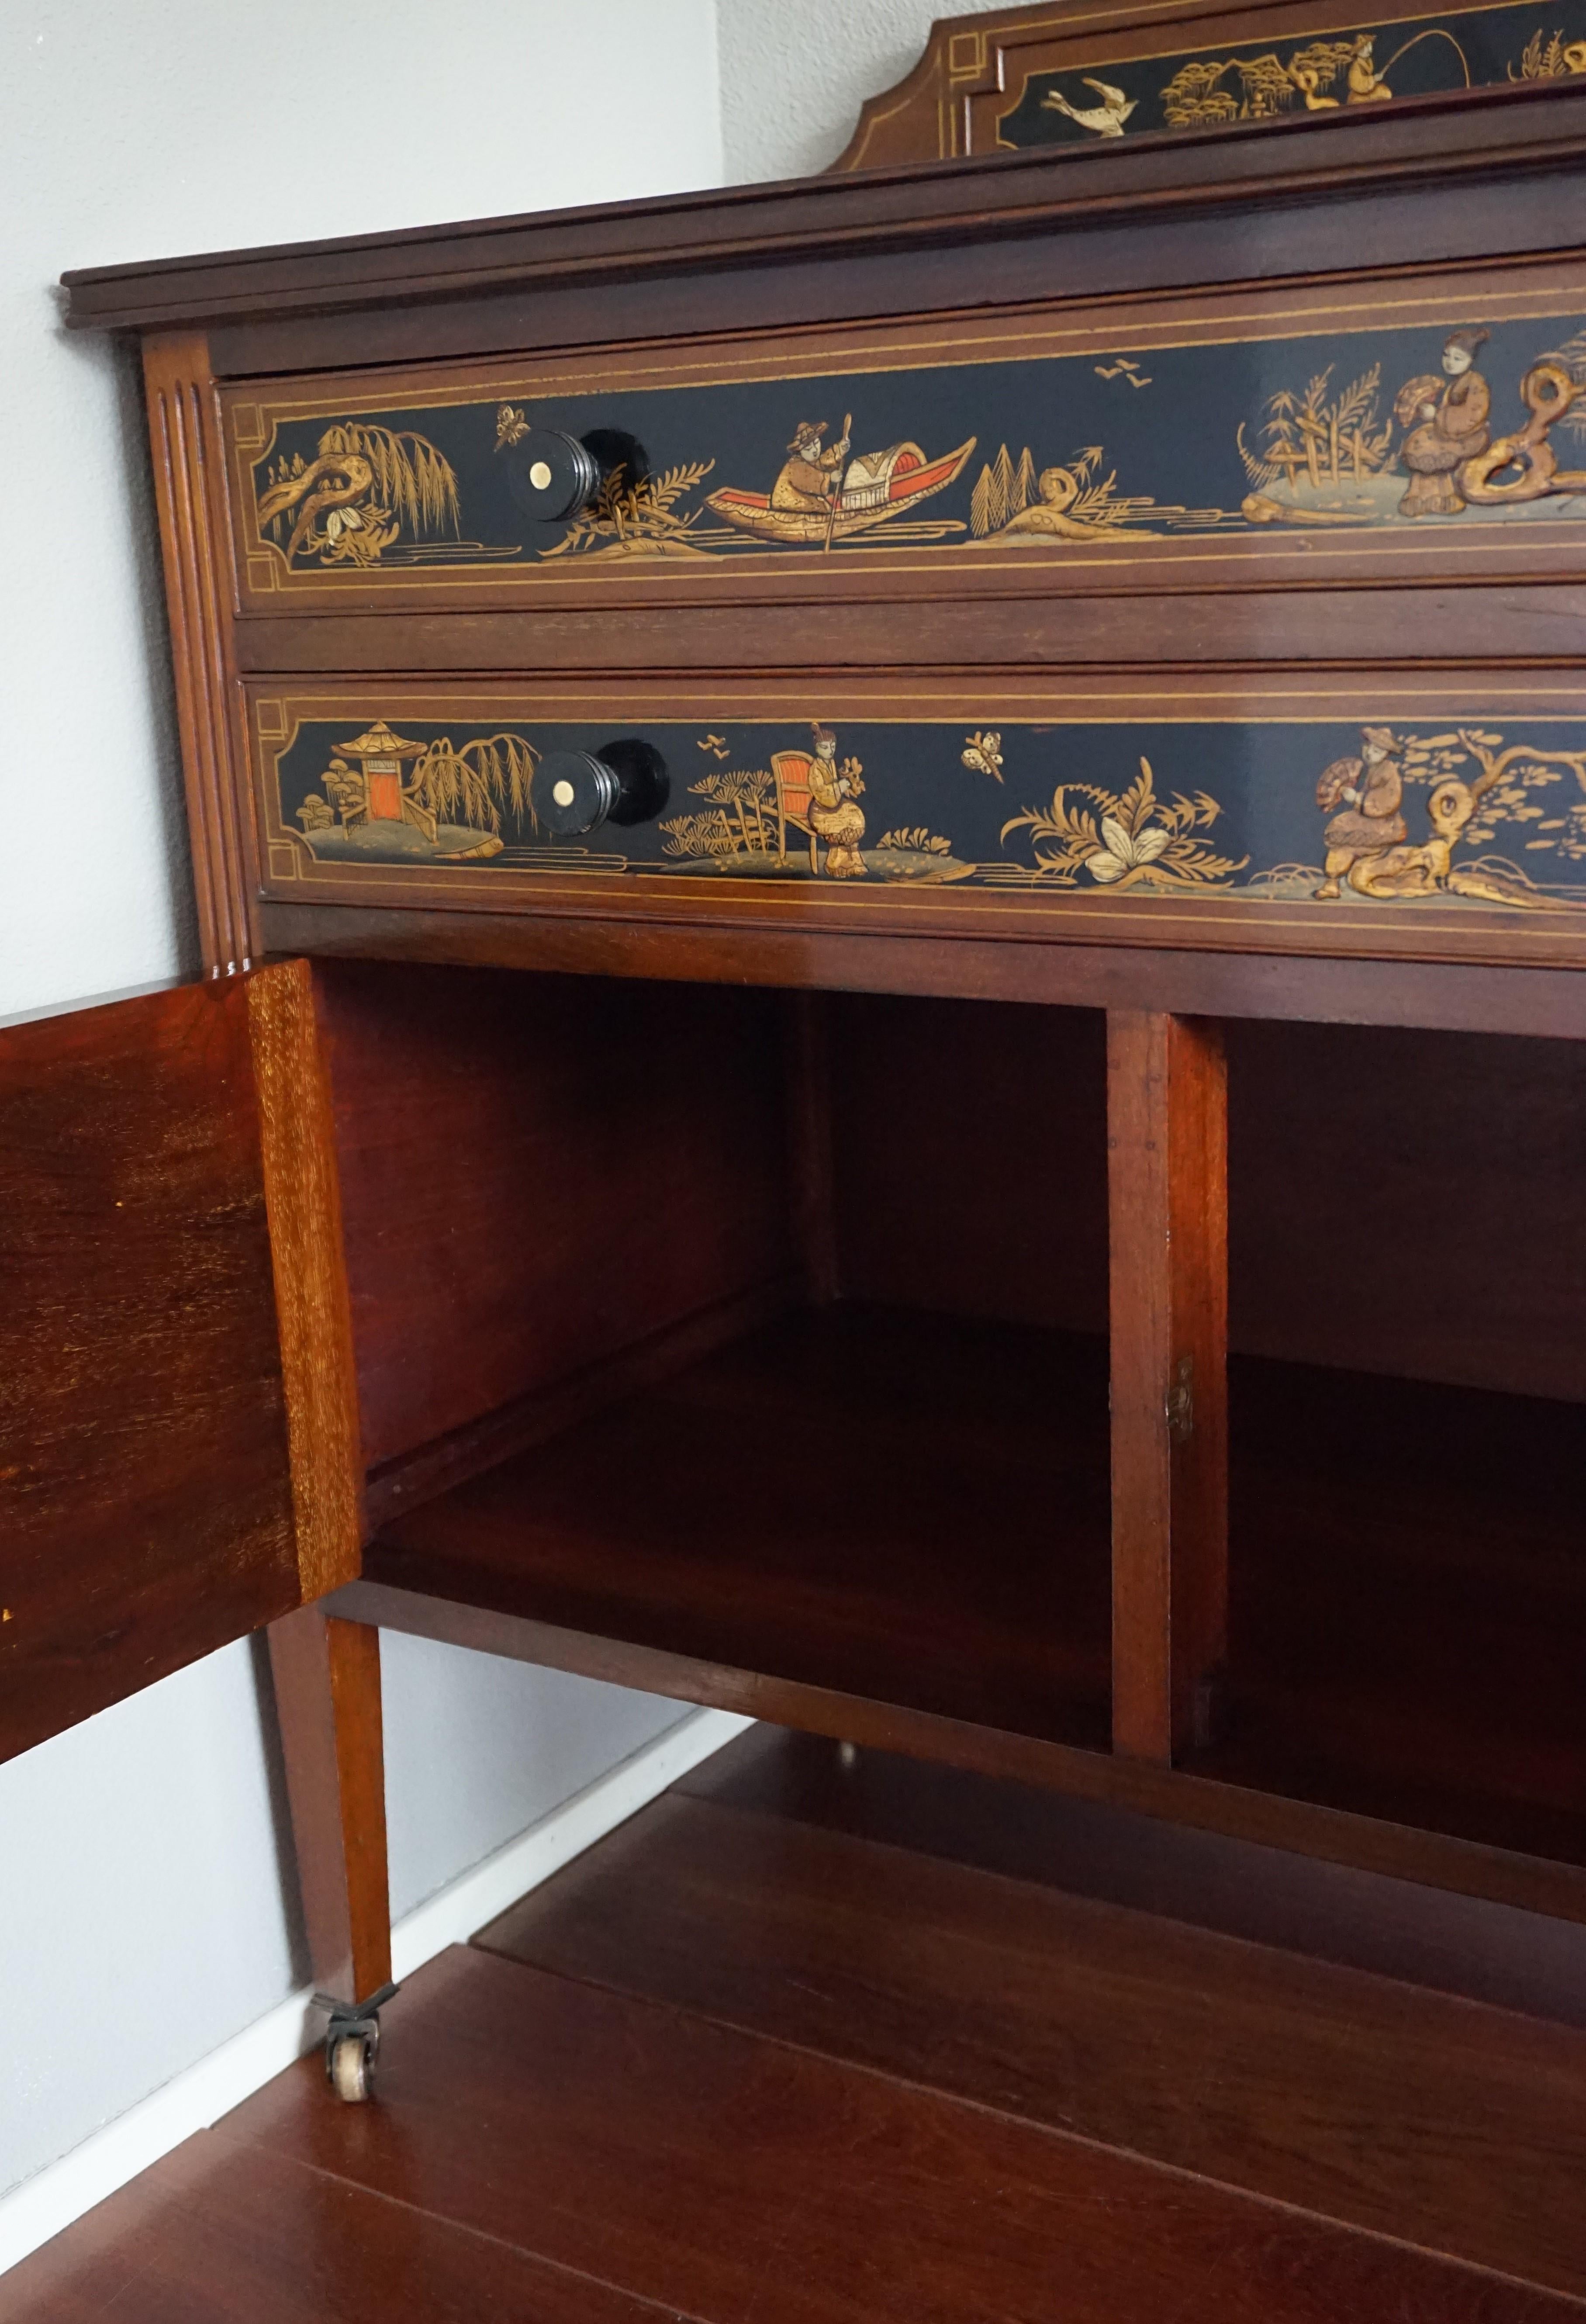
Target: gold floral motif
<point>638,519</point>
<point>920,841</point>
<point>1123,840</point>
<point>1548,56</point>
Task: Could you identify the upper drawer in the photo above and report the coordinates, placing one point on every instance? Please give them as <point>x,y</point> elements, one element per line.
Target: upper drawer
<point>1425,429</point>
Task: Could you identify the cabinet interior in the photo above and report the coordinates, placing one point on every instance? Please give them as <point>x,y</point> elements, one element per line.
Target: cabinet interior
<point>766,1329</point>
<point>771,1330</point>
<point>1407,1573</point>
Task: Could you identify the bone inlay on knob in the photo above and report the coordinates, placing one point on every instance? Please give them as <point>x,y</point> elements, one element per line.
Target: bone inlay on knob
<point>574,791</point>
<point>555,476</point>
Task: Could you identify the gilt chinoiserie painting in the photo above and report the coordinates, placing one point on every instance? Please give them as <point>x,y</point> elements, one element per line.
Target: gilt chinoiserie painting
<point>1453,431</point>
<point>1070,75</point>
<point>1370,64</point>
<point>1390,806</point>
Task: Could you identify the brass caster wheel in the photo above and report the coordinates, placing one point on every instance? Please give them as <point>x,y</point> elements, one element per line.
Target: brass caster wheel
<point>349,2066</point>
<point>351,2044</point>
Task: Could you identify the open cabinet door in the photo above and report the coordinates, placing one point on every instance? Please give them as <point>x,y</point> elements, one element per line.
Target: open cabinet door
<point>179,1451</point>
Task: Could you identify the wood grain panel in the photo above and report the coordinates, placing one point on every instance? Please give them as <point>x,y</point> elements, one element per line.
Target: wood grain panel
<point>148,1514</point>
<point>303,1206</point>
<point>327,1675</point>
<point>726,2176</point>
<point>970,1159</point>
<point>1442,994</point>
<point>1073,622</point>
<point>1166,1142</point>
<point>1410,1203</point>
<point>538,1173</point>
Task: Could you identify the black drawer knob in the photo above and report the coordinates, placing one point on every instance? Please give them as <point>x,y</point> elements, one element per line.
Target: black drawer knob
<point>574,791</point>
<point>555,476</point>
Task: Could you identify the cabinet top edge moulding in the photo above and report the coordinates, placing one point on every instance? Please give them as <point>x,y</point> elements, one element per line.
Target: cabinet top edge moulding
<point>908,237</point>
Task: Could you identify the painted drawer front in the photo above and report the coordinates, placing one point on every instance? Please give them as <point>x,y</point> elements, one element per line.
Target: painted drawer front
<point>1445,815</point>
<point>1320,60</point>
<point>1430,429</point>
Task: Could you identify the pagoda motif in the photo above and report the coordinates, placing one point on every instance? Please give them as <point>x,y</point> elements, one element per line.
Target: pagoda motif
<point>379,794</point>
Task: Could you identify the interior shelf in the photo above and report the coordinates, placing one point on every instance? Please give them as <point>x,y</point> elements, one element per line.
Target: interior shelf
<point>900,1505</point>
<point>1407,1603</point>
<point>914,1508</point>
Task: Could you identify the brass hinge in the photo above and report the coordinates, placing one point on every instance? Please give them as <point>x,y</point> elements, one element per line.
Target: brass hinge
<point>1180,1407</point>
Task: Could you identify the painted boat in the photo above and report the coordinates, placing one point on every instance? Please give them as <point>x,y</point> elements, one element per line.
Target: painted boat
<point>908,478</point>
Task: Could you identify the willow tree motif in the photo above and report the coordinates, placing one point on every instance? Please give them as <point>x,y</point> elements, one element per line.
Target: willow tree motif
<point>417,483</point>
<point>475,782</point>
<point>368,486</point>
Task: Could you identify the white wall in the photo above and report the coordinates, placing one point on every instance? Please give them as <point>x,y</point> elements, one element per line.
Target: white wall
<point>794,77</point>
<point>144,1916</point>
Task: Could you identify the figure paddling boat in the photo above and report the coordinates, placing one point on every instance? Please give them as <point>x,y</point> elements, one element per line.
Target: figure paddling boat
<point>876,487</point>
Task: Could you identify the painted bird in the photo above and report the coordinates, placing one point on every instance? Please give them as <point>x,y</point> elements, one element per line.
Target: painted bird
<point>1106,119</point>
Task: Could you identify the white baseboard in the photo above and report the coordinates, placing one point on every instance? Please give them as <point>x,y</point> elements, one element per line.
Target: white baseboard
<point>63,2190</point>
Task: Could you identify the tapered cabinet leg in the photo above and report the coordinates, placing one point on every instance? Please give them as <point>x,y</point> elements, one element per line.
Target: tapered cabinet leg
<point>1168,1183</point>
<point>326,1676</point>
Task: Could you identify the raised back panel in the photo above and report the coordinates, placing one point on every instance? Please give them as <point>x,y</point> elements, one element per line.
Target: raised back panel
<point>145,1505</point>
<point>541,1172</point>
<point>969,1158</point>
<point>1401,1201</point>
<point>1409,1203</point>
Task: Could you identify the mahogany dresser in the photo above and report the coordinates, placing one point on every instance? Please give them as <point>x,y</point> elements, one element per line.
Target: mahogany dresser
<point>893,874</point>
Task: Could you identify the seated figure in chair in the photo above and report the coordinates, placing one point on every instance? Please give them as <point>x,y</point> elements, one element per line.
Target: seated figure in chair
<point>834,813</point>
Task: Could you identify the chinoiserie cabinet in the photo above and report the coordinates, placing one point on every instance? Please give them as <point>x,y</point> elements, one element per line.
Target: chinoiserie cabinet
<point>894,873</point>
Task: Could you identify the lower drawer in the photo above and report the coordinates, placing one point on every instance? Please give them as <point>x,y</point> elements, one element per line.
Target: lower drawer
<point>1438,816</point>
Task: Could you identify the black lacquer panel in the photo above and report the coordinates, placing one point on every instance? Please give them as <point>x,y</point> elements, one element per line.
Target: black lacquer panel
<point>1371,63</point>
<point>1445,428</point>
<point>1454,813</point>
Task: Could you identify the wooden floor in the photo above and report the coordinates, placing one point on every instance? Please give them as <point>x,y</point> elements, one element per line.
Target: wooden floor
<point>807,2042</point>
